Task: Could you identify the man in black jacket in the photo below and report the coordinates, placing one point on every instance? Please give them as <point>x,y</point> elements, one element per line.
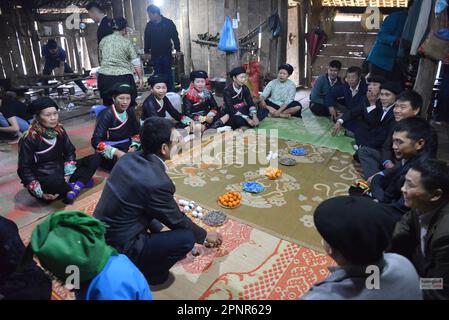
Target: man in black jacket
<point>410,145</point>
<point>422,235</point>
<point>139,196</point>
<point>96,13</point>
<point>159,34</point>
<point>374,117</point>
<point>373,160</point>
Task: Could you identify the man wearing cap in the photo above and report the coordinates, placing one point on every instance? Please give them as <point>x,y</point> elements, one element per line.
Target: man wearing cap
<point>47,164</point>
<point>422,235</point>
<point>356,232</point>
<point>117,129</point>
<point>54,57</point>
<point>278,97</point>
<point>119,62</point>
<point>375,117</point>
<point>200,105</point>
<point>71,245</point>
<point>139,196</point>
<point>239,104</point>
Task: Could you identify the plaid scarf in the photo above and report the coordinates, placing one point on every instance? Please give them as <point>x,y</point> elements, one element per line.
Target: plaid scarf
<point>38,130</point>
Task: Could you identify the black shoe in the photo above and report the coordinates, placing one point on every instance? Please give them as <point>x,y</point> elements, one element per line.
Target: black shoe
<point>161,282</point>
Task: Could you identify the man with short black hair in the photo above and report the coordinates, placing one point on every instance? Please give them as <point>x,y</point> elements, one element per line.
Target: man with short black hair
<point>410,145</point>
<point>422,235</point>
<point>159,34</point>
<point>322,87</point>
<point>97,13</point>
<point>139,196</point>
<point>54,57</point>
<point>348,96</point>
<point>374,117</point>
<point>373,160</point>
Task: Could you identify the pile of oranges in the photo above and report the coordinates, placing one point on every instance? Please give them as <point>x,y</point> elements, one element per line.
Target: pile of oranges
<point>273,173</point>
<point>230,199</point>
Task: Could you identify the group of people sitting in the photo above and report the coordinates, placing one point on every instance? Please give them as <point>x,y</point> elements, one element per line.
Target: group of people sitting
<point>401,208</point>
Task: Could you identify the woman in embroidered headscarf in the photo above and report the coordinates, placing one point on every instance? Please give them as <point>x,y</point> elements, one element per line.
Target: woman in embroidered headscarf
<point>200,105</point>
<point>278,97</point>
<point>117,128</point>
<point>158,105</point>
<point>47,161</point>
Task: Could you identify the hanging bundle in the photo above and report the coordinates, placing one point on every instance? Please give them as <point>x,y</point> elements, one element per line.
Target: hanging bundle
<point>228,43</point>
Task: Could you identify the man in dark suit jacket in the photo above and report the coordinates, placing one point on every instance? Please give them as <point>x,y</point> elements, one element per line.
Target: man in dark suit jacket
<point>422,235</point>
<point>97,13</point>
<point>138,197</point>
<point>374,117</point>
<point>410,145</point>
<point>374,160</point>
<point>347,96</point>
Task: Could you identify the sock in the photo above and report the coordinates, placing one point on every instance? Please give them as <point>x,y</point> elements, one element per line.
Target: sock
<point>76,190</point>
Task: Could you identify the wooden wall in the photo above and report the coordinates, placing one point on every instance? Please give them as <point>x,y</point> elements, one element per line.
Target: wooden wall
<point>209,16</point>
<point>192,17</point>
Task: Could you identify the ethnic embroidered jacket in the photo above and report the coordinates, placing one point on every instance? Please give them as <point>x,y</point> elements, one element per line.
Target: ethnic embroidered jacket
<point>199,104</point>
<point>112,129</point>
<point>39,157</point>
<point>152,108</point>
<point>238,103</point>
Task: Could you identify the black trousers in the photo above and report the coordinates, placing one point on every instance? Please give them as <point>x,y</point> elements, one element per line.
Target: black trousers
<point>85,169</point>
<point>105,83</point>
<point>319,109</point>
<point>160,252</point>
<point>292,104</point>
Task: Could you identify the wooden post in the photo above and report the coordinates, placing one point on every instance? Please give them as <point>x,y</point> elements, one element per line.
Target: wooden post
<point>185,10</point>
<point>301,40</point>
<point>281,52</point>
<point>117,8</point>
<point>129,14</point>
<point>427,72</point>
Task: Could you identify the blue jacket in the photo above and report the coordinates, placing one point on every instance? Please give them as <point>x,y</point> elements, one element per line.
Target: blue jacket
<point>384,52</point>
<point>321,88</point>
<point>398,281</point>
<point>343,92</point>
<point>119,280</point>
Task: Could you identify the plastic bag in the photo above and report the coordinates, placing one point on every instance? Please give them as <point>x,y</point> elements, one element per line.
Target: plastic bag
<point>228,42</point>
